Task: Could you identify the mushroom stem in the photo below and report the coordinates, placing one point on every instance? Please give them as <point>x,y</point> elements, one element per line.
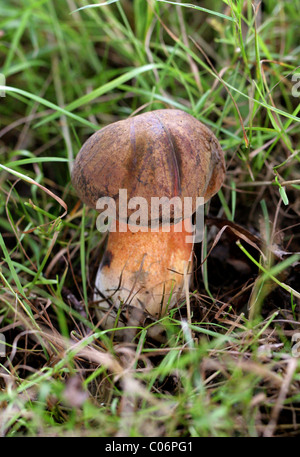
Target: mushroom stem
<point>143,270</point>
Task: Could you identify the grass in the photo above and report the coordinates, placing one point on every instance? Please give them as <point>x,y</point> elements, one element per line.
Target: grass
<point>70,69</point>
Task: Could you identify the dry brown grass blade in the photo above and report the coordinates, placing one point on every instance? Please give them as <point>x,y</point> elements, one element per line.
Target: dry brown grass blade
<point>271,427</point>
<point>244,234</point>
<point>80,348</point>
<point>237,230</point>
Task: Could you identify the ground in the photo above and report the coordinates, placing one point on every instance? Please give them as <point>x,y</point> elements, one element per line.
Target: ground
<point>234,370</point>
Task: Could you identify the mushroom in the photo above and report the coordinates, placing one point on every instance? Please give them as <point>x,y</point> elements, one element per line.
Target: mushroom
<point>164,154</point>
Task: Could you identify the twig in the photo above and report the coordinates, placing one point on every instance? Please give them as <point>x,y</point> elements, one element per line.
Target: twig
<point>292,365</point>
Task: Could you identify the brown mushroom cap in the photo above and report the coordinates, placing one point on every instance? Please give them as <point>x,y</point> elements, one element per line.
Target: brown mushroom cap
<point>162,153</point>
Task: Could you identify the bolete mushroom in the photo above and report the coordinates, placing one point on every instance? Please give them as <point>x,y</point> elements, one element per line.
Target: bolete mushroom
<point>164,154</point>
